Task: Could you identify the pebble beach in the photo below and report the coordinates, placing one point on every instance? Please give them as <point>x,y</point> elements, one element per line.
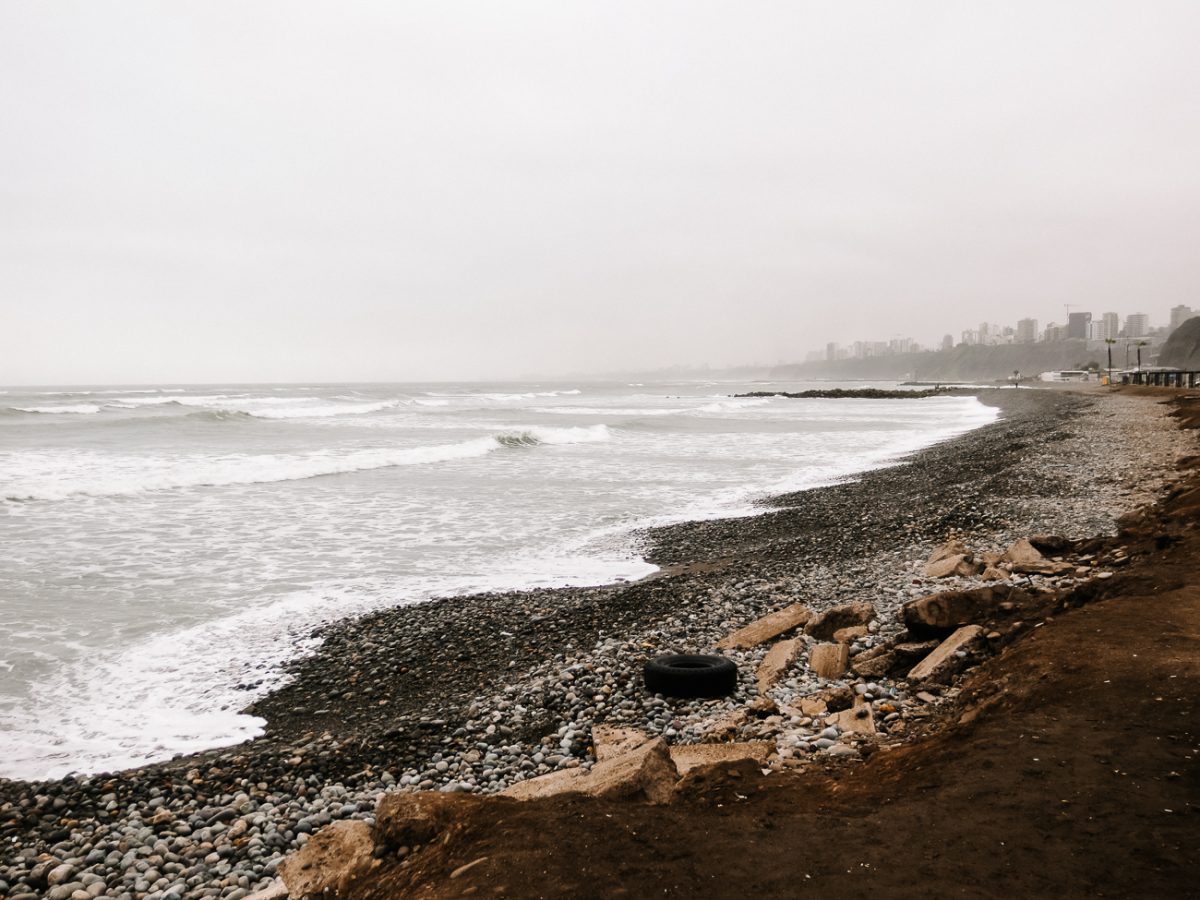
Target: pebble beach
<point>474,694</point>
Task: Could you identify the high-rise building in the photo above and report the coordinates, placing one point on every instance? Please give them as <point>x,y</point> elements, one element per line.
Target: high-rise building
<point>1179,315</point>
<point>1055,332</point>
<point>948,342</point>
<point>1027,331</point>
<point>1112,324</point>
<point>970,336</point>
<point>1098,330</point>
<point>831,350</point>
<point>1077,325</point>
<point>1136,325</point>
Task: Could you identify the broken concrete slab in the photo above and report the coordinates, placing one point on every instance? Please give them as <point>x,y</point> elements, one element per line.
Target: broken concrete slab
<point>943,612</point>
<point>943,663</point>
<point>858,719</point>
<point>853,633</point>
<point>777,661</point>
<point>690,756</point>
<point>1023,552</point>
<point>768,627</point>
<point>964,566</point>
<point>609,741</point>
<point>953,547</point>
<point>873,663</point>
<point>829,660</point>
<point>728,725</point>
<point>823,625</point>
<point>1046,567</point>
<point>646,772</point>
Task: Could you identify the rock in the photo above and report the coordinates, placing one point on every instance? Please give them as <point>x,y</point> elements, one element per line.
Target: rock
<point>463,870</point>
<point>763,706</point>
<point>842,751</point>
<point>857,719</point>
<point>277,890</point>
<point>836,698</point>
<point>829,660</point>
<point>1023,553</point>
<point>766,628</point>
<point>991,573</point>
<point>943,663</point>
<point>402,820</point>
<point>874,663</point>
<point>330,862</point>
<point>848,635</point>
<point>644,772</point>
<point>727,725</point>
<point>812,706</point>
<point>962,566</point>
<point>943,612</point>
<point>1050,544</point>
<point>60,874</point>
<point>610,741</point>
<point>1046,567</point>
<point>777,661</point>
<point>823,625</point>
<point>951,548</point>
<point>908,654</point>
<point>690,756</point>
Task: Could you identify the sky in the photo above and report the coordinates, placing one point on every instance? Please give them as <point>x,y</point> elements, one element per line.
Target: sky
<point>295,191</point>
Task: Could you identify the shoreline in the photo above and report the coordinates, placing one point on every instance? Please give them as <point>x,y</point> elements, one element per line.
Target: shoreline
<point>392,695</point>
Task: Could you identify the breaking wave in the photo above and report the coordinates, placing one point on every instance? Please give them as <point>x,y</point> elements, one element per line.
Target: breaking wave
<point>84,475</point>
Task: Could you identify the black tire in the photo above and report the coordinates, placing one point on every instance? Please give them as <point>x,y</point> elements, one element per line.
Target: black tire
<point>686,675</point>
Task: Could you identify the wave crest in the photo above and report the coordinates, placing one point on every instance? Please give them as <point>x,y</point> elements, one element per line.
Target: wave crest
<point>77,476</point>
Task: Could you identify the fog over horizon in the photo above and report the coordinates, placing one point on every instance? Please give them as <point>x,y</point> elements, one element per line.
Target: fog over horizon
<point>270,191</point>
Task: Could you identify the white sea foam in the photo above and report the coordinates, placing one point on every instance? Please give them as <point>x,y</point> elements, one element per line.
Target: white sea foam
<point>733,405</point>
<point>72,408</point>
<point>251,570</point>
<point>57,475</point>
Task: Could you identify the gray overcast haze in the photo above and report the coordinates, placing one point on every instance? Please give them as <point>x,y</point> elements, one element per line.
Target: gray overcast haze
<point>255,191</point>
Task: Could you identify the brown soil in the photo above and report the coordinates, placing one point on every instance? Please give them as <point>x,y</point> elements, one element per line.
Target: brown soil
<point>1070,767</point>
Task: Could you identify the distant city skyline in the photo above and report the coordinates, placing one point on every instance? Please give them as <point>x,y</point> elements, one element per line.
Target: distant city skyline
<point>1078,324</point>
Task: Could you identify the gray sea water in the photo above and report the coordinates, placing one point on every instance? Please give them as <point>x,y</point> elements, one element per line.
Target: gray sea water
<point>166,548</point>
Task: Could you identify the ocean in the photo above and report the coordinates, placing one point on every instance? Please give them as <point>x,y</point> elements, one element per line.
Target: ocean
<point>167,548</point>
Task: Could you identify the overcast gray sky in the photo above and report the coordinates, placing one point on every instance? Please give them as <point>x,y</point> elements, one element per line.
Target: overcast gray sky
<point>225,191</point>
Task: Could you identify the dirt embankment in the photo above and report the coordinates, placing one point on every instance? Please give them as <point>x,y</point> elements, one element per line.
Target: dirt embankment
<point>1069,767</point>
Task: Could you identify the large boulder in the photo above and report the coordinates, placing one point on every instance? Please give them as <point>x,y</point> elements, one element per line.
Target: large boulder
<point>941,613</point>
<point>331,862</point>
<point>823,625</point>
